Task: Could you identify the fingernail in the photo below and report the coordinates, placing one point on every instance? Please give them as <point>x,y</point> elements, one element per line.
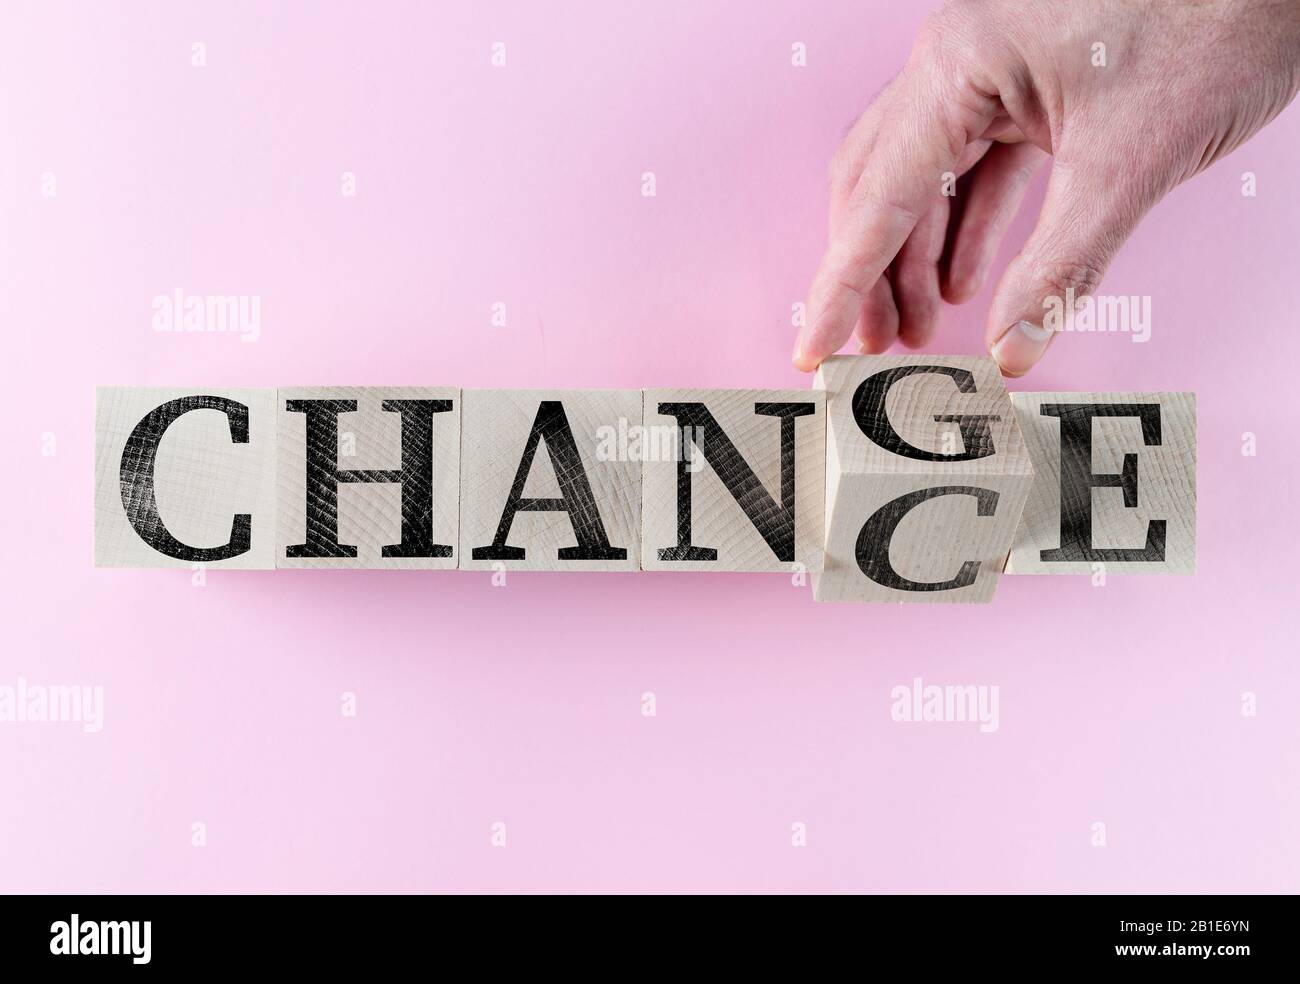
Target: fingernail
<point>1020,347</point>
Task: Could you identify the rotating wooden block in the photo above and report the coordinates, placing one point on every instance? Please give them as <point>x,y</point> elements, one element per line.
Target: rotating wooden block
<point>184,477</point>
<point>926,477</point>
<point>546,482</point>
<point>368,477</point>
<point>748,494</point>
<point>1115,484</point>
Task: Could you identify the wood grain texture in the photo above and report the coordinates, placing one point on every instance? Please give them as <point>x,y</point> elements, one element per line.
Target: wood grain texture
<point>359,432</point>
<point>209,456</point>
<point>924,507</point>
<point>527,453</point>
<point>755,486</point>
<point>1102,528</point>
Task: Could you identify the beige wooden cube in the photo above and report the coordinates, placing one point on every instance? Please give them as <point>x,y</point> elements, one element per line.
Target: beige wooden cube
<point>926,476</point>
<point>368,477</point>
<point>184,477</point>
<point>1114,487</point>
<point>733,480</point>
<point>546,484</point>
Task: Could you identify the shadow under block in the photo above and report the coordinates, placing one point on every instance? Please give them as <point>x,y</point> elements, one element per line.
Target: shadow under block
<point>926,477</point>
<point>546,484</point>
<point>743,490</point>
<point>1115,484</point>
<point>368,477</point>
<point>184,477</point>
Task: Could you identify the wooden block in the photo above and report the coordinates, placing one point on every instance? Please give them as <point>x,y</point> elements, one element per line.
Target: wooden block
<point>184,477</point>
<point>545,484</point>
<point>926,477</point>
<point>368,477</point>
<point>1115,484</point>
<point>733,480</point>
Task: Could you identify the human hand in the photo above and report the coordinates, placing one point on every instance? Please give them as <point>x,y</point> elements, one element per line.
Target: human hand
<point>992,87</point>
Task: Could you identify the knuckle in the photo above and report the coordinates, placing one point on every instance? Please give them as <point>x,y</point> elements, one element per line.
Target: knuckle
<point>870,197</point>
<point>933,31</point>
<point>847,286</point>
<point>947,27</point>
<point>1079,278</point>
<point>952,62</point>
<point>849,268</point>
<point>841,173</point>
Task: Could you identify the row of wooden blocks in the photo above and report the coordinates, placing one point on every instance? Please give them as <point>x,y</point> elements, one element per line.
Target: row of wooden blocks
<point>896,478</point>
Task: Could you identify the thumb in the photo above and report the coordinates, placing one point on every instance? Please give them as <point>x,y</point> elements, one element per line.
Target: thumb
<point>1087,215</point>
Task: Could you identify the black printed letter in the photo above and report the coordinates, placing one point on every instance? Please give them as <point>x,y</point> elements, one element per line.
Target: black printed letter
<point>1078,481</point>
<point>137,479</point>
<point>872,549</point>
<point>774,522</point>
<point>324,476</point>
<point>869,412</point>
<point>576,498</point>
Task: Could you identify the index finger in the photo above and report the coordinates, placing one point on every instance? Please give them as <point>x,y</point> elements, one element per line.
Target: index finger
<point>919,140</point>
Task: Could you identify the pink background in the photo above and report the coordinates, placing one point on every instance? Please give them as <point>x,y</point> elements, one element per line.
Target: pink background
<point>477,704</point>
